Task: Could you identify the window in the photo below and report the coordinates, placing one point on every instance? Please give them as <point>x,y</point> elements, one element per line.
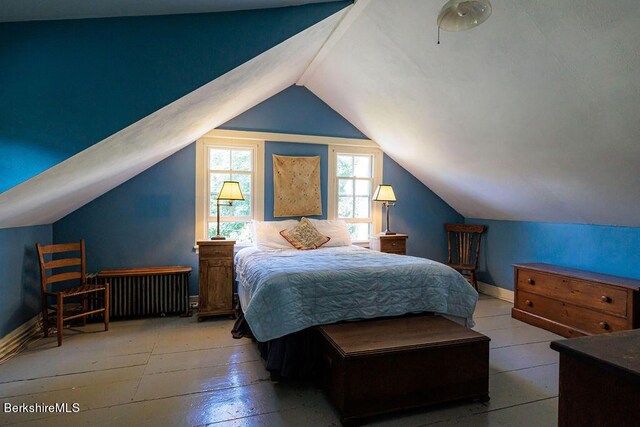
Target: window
<point>229,160</point>
<point>355,173</point>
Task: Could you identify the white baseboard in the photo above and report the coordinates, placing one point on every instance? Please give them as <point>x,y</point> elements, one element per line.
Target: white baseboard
<point>496,292</point>
<point>19,336</point>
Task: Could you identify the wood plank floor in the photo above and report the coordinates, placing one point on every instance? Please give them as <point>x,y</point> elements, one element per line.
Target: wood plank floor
<point>176,371</point>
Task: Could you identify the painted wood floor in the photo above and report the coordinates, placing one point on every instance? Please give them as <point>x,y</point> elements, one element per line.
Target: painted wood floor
<point>176,371</point>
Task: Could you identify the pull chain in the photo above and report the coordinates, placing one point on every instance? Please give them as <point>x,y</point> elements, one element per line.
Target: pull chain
<point>438,34</point>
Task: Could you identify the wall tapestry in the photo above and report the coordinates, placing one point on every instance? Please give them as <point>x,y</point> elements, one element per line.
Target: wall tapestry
<point>296,186</point>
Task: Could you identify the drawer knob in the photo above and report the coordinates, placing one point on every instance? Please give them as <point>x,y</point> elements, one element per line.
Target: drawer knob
<point>604,325</point>
<point>531,281</point>
<point>605,298</point>
<point>528,303</point>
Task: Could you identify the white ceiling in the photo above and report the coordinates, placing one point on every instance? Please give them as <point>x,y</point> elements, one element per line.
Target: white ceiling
<point>42,10</point>
<point>69,185</point>
<point>532,116</point>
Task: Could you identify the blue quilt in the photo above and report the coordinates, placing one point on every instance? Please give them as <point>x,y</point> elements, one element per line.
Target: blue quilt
<point>290,290</point>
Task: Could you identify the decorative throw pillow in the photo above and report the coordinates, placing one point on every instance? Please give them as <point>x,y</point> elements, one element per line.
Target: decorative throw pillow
<point>304,236</point>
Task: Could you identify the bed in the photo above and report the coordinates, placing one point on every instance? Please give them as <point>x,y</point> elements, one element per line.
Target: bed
<point>284,291</point>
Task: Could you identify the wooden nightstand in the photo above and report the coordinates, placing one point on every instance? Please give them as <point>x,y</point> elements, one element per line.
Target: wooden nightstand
<point>392,244</point>
<point>215,278</point>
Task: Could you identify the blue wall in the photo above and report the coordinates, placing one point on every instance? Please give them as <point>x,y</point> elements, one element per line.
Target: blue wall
<point>603,249</point>
<point>149,220</point>
<point>66,85</point>
<point>419,212</point>
<point>20,274</point>
<point>306,114</point>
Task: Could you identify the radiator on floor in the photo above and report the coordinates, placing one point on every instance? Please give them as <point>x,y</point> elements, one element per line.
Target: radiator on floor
<point>137,292</point>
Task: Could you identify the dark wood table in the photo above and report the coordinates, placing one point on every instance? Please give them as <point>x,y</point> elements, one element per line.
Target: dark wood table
<point>600,380</point>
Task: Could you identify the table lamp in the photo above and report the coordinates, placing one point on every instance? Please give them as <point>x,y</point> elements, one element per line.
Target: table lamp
<point>229,192</point>
<point>384,193</point>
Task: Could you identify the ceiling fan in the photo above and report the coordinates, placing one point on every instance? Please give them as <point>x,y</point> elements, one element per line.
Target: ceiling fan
<point>460,15</point>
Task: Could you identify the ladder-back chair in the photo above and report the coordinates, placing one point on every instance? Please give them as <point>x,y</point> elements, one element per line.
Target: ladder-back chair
<point>463,243</point>
<point>80,291</point>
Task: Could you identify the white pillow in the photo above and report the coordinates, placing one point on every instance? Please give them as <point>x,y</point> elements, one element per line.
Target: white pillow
<point>267,233</point>
<point>334,228</point>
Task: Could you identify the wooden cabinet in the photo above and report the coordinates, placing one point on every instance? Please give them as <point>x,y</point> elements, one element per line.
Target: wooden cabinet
<point>573,302</point>
<point>215,278</point>
<point>392,244</point>
<point>599,380</point>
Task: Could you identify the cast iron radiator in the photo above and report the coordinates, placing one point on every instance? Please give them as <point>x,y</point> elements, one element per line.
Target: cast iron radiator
<point>137,292</point>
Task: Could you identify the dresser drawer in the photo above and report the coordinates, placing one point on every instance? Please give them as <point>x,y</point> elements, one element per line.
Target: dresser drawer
<point>582,293</point>
<point>584,319</point>
<point>393,245</point>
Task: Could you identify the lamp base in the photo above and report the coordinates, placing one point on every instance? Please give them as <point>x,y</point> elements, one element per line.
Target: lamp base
<point>388,233</point>
<point>218,238</point>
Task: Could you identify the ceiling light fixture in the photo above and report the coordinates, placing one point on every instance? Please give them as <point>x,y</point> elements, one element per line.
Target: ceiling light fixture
<point>460,15</point>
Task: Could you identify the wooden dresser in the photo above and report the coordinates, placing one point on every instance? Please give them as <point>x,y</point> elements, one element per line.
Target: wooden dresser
<point>392,243</point>
<point>215,278</point>
<point>573,302</point>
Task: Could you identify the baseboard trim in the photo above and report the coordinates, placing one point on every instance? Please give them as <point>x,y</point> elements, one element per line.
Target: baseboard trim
<point>496,292</point>
<point>15,339</point>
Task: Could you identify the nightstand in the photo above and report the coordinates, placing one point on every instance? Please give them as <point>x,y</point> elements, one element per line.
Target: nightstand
<point>215,278</point>
<point>392,243</point>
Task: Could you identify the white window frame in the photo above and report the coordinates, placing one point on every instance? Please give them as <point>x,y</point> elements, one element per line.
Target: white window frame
<point>332,187</point>
<point>202,179</point>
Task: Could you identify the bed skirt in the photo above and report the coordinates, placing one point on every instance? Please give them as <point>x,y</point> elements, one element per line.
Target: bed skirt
<point>290,357</point>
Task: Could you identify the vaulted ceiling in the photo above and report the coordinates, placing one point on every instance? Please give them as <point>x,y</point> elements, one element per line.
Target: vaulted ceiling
<point>531,116</point>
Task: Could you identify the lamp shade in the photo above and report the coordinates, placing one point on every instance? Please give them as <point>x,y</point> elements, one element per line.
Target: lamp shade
<point>459,15</point>
<point>230,191</point>
<point>384,193</point>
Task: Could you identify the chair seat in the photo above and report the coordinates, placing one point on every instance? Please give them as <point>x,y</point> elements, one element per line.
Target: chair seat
<point>80,290</point>
<point>462,267</point>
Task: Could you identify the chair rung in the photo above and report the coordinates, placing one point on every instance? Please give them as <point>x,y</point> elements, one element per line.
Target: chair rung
<point>84,314</point>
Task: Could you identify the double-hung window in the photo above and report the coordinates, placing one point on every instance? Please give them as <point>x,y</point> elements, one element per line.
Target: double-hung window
<point>229,160</point>
<point>354,174</point>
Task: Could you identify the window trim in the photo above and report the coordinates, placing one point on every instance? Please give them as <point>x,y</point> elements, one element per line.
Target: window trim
<point>202,185</point>
<point>332,185</point>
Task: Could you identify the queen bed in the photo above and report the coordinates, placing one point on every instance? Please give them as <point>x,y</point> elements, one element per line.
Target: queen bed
<point>283,291</point>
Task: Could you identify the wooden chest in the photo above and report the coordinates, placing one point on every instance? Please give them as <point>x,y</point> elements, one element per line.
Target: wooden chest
<point>573,302</point>
<point>380,366</point>
<point>599,380</point>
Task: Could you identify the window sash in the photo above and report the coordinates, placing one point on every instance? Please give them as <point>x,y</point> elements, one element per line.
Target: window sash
<point>375,178</point>
<point>204,175</point>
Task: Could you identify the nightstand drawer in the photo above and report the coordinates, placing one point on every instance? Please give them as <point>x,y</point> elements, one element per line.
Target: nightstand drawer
<point>393,245</point>
<point>586,294</point>
<point>216,251</point>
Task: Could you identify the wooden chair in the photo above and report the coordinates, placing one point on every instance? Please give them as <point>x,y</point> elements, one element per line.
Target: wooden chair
<point>81,291</point>
<point>463,243</point>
